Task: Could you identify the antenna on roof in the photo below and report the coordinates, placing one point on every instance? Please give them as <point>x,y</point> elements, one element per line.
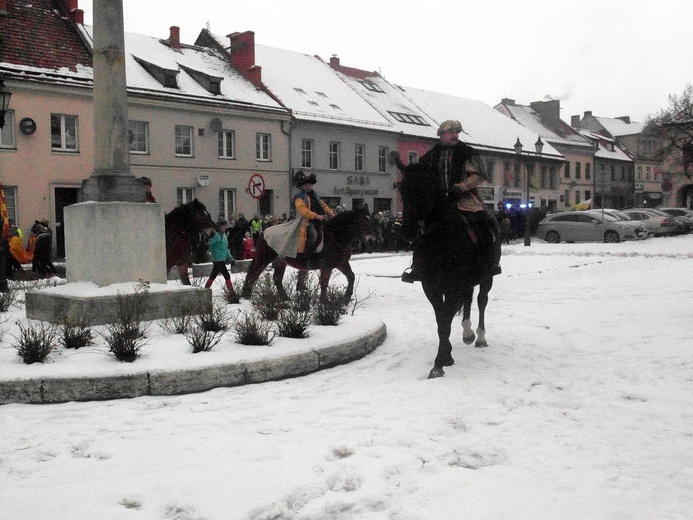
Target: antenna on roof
<point>208,25</point>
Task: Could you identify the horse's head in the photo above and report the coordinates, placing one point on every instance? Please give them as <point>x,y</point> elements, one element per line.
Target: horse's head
<point>347,225</point>
<point>422,197</point>
<point>199,215</point>
<point>190,217</point>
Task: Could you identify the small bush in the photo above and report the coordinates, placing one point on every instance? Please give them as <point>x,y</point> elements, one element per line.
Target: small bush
<point>203,340</point>
<point>75,333</point>
<point>8,299</point>
<point>132,308</point>
<point>124,341</point>
<point>292,323</point>
<point>266,299</point>
<point>35,342</point>
<point>182,314</point>
<point>329,310</point>
<point>213,319</point>
<point>251,329</point>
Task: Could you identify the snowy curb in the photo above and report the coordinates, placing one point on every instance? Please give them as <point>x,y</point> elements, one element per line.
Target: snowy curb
<point>60,390</point>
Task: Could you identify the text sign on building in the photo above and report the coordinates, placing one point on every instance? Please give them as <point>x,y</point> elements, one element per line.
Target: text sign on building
<point>256,186</point>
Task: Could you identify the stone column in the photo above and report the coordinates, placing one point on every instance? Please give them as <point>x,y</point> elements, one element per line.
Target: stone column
<point>111,180</point>
<point>113,235</point>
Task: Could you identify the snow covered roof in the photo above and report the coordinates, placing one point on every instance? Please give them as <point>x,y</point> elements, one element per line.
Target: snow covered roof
<point>605,143</point>
<point>190,65</point>
<point>404,116</point>
<point>618,127</point>
<point>482,126</point>
<point>313,91</point>
<point>530,119</point>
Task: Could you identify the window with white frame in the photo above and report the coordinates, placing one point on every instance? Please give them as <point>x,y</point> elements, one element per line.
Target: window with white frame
<point>11,201</point>
<point>227,203</point>
<point>226,140</point>
<point>334,155</point>
<point>138,137</point>
<point>306,153</point>
<point>184,195</point>
<point>359,151</point>
<point>184,141</point>
<point>7,132</point>
<point>263,147</point>
<point>490,171</point>
<point>64,132</point>
<point>382,159</point>
<point>412,157</point>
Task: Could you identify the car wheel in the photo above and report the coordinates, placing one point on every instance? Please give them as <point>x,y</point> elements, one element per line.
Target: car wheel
<point>552,237</point>
<point>611,237</point>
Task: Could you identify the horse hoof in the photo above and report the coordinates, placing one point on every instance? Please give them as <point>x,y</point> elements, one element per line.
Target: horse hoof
<point>468,340</point>
<point>436,372</point>
<point>481,344</point>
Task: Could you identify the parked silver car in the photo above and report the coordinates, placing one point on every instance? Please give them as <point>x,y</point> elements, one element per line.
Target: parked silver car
<point>580,226</point>
<point>659,225</point>
<point>684,214</point>
<point>640,228</point>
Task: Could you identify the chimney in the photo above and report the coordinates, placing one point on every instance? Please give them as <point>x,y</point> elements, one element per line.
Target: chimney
<point>508,101</point>
<point>334,62</point>
<point>174,37</point>
<point>625,119</point>
<point>3,7</point>
<point>74,12</point>
<point>549,111</point>
<point>575,121</point>
<point>588,113</point>
<point>242,51</point>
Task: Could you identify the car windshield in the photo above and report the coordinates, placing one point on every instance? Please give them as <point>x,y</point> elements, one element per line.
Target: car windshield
<point>609,217</point>
<point>658,212</point>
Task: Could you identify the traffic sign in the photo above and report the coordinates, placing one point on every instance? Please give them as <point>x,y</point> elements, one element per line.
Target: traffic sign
<point>256,186</point>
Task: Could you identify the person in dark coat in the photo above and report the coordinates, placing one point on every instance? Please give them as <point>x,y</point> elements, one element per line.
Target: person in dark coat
<point>43,250</point>
<point>459,171</point>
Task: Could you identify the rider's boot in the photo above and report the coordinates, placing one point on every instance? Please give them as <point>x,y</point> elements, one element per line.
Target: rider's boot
<point>208,283</point>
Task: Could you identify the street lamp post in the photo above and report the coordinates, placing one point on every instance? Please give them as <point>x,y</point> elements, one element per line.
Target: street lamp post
<point>538,147</point>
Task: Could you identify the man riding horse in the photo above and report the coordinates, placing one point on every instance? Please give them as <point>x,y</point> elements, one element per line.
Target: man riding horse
<point>459,172</point>
<point>301,238</point>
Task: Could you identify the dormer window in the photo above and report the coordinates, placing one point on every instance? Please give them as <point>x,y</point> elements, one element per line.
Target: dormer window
<point>409,118</point>
<point>167,77</point>
<point>373,87</point>
<point>211,84</point>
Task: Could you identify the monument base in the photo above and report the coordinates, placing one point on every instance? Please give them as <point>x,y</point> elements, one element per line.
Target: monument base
<point>97,307</point>
<point>114,242</point>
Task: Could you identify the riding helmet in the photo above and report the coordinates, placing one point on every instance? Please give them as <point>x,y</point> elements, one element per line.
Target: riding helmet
<point>301,178</point>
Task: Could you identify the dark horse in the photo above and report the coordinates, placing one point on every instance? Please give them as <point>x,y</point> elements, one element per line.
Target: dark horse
<point>183,227</point>
<point>449,258</point>
<point>339,233</point>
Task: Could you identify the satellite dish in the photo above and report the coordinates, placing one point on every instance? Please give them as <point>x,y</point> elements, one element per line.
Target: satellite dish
<point>215,125</point>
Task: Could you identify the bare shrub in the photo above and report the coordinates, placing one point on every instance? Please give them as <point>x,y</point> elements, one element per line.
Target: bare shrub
<point>75,332</point>
<point>293,323</point>
<point>203,340</point>
<point>266,300</point>
<point>213,319</point>
<point>330,309</point>
<point>35,342</point>
<point>8,299</point>
<point>125,341</point>
<point>251,329</point>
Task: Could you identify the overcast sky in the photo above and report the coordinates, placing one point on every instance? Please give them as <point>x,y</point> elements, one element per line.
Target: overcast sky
<point>615,57</point>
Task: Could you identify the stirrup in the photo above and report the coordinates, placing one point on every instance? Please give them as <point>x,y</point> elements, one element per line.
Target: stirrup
<point>410,276</point>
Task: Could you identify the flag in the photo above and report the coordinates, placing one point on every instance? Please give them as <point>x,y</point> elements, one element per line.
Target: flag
<point>3,213</point>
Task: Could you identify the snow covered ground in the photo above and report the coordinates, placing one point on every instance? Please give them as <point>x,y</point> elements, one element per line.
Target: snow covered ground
<point>581,408</point>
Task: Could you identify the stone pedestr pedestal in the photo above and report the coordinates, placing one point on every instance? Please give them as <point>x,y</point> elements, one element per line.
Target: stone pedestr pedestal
<point>79,301</point>
<point>114,242</point>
